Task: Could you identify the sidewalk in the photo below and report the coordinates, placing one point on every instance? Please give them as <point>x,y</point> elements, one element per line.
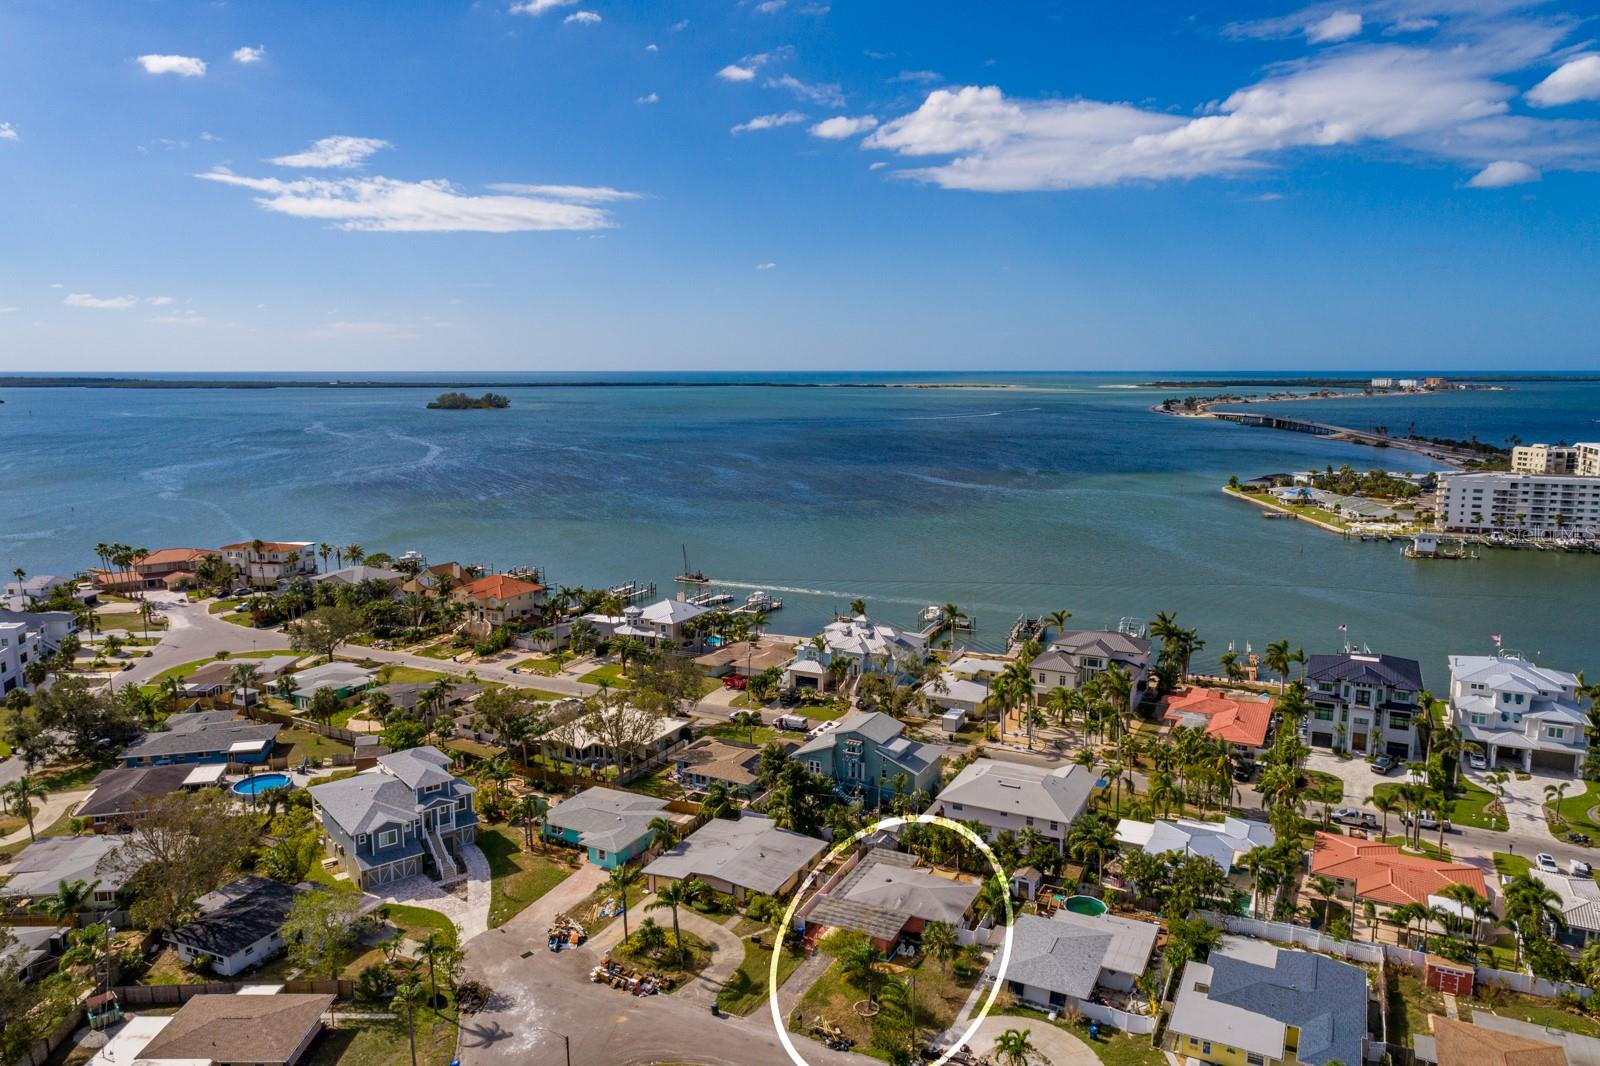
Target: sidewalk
<point>48,813</point>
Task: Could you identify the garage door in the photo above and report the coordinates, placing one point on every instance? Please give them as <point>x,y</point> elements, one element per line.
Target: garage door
<point>1398,748</point>
<point>1321,740</point>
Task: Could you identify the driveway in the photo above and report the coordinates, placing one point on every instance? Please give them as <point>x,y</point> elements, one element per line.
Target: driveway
<point>536,917</point>
<point>470,915</point>
<point>52,808</point>
<point>1057,1047</point>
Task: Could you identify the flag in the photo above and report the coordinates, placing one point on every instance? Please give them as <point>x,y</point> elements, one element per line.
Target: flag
<point>1343,628</point>
<point>1496,638</point>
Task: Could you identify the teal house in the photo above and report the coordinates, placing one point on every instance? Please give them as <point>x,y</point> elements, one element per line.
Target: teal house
<point>612,826</point>
<point>868,758</point>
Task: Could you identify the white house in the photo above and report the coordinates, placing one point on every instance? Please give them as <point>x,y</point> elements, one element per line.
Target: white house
<point>1077,656</point>
<point>871,647</point>
<point>1062,960</point>
<point>1015,796</point>
<point>265,563</point>
<point>1514,708</point>
<point>1225,842</point>
<point>19,645</point>
<point>238,926</point>
<point>666,618</point>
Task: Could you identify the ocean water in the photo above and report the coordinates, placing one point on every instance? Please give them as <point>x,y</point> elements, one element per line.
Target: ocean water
<point>1061,491</point>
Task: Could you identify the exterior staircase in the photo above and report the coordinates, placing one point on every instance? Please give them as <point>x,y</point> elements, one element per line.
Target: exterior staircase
<point>442,859</point>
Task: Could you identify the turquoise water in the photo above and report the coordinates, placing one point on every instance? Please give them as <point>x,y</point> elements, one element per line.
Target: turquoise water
<point>254,786</point>
<point>1085,905</point>
<point>1063,492</point>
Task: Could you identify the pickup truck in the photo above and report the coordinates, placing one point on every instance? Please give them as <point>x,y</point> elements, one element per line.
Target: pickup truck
<point>1354,816</point>
<point>1429,820</point>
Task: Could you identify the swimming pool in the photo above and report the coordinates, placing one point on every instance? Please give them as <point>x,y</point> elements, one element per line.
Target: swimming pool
<point>254,786</point>
<point>1085,905</point>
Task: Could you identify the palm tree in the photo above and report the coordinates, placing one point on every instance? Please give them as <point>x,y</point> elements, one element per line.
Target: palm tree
<point>1385,803</point>
<point>675,894</point>
<point>858,962</point>
<point>243,678</point>
<point>70,898</point>
<point>531,810</point>
<point>1530,906</point>
<point>1058,620</point>
<point>434,947</point>
<point>663,834</point>
<point>1015,1047</point>
<point>408,997</point>
<point>939,941</point>
<point>949,616</point>
<point>1092,837</point>
<point>622,879</point>
<point>1553,795</point>
<point>1470,900</point>
<point>355,553</point>
<point>1276,657</point>
<point>21,793</point>
<point>721,801</point>
<point>324,549</point>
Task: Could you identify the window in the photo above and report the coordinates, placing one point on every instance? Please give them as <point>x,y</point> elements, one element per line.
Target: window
<point>1558,732</point>
<point>1323,714</point>
<point>1030,819</point>
<point>1205,1047</point>
<point>1479,719</point>
<point>814,765</point>
<point>1255,1060</point>
<point>388,838</point>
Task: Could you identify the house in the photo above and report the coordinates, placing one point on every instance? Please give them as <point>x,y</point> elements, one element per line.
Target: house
<point>204,736</point>
<point>1016,796</point>
<point>738,856</point>
<point>437,580</point>
<point>962,686</point>
<point>1515,709</point>
<point>866,755</point>
<point>51,626</point>
<point>1458,1043</point>
<point>50,862</point>
<point>355,575</point>
<point>19,646</point>
<point>405,817</point>
<point>239,925</point>
<point>1077,656</point>
<point>1382,873</point>
<point>168,568</point>
<point>215,678</point>
<point>36,587</point>
<point>613,826</point>
<point>869,647</point>
<point>122,791</point>
<point>1491,1030</point>
<point>343,679</point>
<point>891,898</point>
<point>497,599</point>
<point>1242,722</point>
<point>1226,842</point>
<point>1579,905</point>
<point>1364,703</point>
<point>406,695</point>
<point>237,1030</point>
<point>31,949</point>
<point>1256,1004</point>
<point>267,563</point>
<point>1063,961</point>
<point>665,618</point>
<point>584,740</point>
<point>712,759</point>
<point>744,657</point>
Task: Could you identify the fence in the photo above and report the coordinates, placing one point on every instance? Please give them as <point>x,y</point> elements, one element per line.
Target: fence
<point>294,721</point>
<point>173,995</point>
<point>1134,1024</point>
<point>1367,952</point>
<point>41,1050</point>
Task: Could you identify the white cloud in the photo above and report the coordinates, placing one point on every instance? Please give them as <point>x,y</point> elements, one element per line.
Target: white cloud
<point>915,76</point>
<point>1576,79</point>
<point>183,66</point>
<point>1442,101</point>
<point>179,318</point>
<point>341,152</point>
<point>8,310</point>
<point>827,95</point>
<point>582,18</point>
<point>768,122</point>
<point>538,7</point>
<point>99,303</point>
<point>389,205</point>
<point>842,126</point>
<point>8,132</point>
<point>879,165</point>
<point>734,72</point>
<point>249,54</point>
<point>679,26</point>
<point>583,194</point>
<point>158,301</point>
<point>1501,173</point>
<point>648,98</point>
<point>765,266</point>
<point>1339,26</point>
<point>770,7</point>
<point>651,48</point>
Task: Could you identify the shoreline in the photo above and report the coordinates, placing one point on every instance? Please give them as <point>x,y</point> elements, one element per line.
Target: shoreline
<point>73,382</point>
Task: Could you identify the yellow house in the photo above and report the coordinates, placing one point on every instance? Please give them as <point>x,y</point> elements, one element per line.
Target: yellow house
<point>1253,1004</point>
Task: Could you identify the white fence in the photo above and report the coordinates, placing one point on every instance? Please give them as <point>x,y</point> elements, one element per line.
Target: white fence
<point>1136,1024</point>
<point>1363,951</point>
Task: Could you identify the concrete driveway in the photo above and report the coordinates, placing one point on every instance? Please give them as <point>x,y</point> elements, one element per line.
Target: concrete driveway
<point>1057,1047</point>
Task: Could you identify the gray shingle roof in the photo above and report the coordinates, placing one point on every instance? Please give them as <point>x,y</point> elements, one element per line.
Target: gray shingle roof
<point>1059,794</point>
<point>1390,670</point>
<point>50,861</point>
<point>748,851</point>
<point>419,767</point>
<point>1055,958</point>
<point>1106,642</point>
<point>886,890</point>
<point>200,731</point>
<point>117,790</point>
<point>605,818</point>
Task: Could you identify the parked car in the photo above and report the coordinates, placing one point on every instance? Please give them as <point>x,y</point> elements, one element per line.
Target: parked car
<point>737,682</point>
<point>794,722</point>
<point>789,697</point>
<point>1429,820</point>
<point>236,593</point>
<point>1547,863</point>
<point>1354,816</point>
<point>1579,868</point>
<point>1476,760</point>
<point>1384,763</point>
<point>1244,770</point>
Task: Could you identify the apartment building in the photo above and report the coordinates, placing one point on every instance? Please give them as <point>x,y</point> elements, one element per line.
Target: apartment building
<point>1540,505</point>
<point>1581,459</point>
<point>19,645</point>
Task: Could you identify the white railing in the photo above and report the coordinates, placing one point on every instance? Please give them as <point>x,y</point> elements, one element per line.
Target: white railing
<point>448,870</point>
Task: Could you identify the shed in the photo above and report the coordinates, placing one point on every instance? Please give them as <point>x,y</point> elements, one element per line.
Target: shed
<point>1447,976</point>
<point>1025,882</point>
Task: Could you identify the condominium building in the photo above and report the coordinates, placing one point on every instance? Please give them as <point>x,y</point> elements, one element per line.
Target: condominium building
<point>1580,459</point>
<point>1540,505</point>
<point>19,645</point>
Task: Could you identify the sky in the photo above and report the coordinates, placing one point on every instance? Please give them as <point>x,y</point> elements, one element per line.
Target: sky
<point>798,185</point>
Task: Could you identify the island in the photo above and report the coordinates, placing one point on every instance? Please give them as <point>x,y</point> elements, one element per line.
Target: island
<point>460,401</point>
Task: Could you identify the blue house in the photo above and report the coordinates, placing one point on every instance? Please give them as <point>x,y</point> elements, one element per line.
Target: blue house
<point>867,757</point>
<point>613,826</point>
<point>204,736</point>
<point>408,816</point>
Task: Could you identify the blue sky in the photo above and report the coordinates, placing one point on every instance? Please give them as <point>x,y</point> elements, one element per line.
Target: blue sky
<point>600,185</point>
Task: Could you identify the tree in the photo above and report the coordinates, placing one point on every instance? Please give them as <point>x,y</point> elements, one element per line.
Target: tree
<point>623,879</point>
<point>1090,837</point>
<point>800,799</point>
<point>243,678</point>
<point>180,847</point>
<point>20,795</point>
<point>675,894</point>
<point>90,720</point>
<point>434,949</point>
<point>323,630</point>
<point>858,960</point>
<point>939,941</point>
<point>750,720</point>
<point>1276,658</point>
<point>320,929</point>
<point>663,833</point>
<point>530,812</point>
<point>324,704</point>
<point>408,997</point>
<point>69,899</point>
<point>1015,1047</point>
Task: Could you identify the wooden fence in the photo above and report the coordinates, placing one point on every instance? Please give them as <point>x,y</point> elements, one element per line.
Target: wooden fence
<point>294,721</point>
<point>42,1050</point>
<point>173,995</point>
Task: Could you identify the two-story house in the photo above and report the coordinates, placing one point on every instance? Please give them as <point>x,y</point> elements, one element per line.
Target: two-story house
<point>19,645</point>
<point>1365,704</point>
<point>1017,796</point>
<point>264,563</point>
<point>1077,656</point>
<point>496,599</point>
<point>869,647</point>
<point>866,756</point>
<point>405,817</point>
<point>1515,709</point>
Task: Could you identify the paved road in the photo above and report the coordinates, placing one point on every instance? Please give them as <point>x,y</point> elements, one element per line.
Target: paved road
<point>195,633</point>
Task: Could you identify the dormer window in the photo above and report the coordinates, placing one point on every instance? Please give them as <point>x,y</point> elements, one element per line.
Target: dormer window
<point>388,838</point>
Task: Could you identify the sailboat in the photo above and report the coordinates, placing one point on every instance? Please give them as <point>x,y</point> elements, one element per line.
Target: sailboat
<point>691,577</point>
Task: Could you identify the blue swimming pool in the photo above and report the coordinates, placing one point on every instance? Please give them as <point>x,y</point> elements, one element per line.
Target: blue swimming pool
<point>254,786</point>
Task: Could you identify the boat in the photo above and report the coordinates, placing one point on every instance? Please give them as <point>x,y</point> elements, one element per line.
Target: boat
<point>710,599</point>
<point>761,600</point>
<point>691,577</point>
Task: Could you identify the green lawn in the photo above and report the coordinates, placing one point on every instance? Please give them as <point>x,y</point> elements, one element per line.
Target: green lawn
<point>1535,1010</point>
<point>1575,811</point>
<point>412,675</point>
<point>439,651</point>
<point>304,744</point>
<point>129,620</point>
<point>384,1043</point>
<point>729,731</point>
<point>747,987</point>
<point>610,673</point>
<point>188,668</point>
<point>539,664</point>
<point>1511,865</point>
<point>519,877</point>
<point>1429,848</point>
<point>413,922</point>
<point>1467,808</point>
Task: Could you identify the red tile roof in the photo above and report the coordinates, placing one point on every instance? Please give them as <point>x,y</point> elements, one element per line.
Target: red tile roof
<point>497,587</point>
<point>1381,873</point>
<point>268,546</point>
<point>173,556</point>
<point>1238,721</point>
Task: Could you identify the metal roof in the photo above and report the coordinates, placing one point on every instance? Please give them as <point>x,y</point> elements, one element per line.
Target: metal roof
<point>748,852</point>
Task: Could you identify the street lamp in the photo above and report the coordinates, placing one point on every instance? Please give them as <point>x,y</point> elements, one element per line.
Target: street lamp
<point>566,1040</point>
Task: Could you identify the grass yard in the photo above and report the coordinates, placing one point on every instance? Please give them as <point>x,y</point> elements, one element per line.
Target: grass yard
<point>1467,808</point>
<point>1574,810</point>
<point>658,784</point>
<point>747,986</point>
<point>940,996</point>
<point>188,668</point>
<point>610,673</point>
<point>384,1043</point>
<point>1429,848</point>
<point>825,712</point>
<point>129,620</point>
<point>1511,865</point>
<point>296,744</point>
<point>519,877</point>
<point>412,675</point>
<point>1533,1009</point>
<point>666,961</point>
<point>1110,1047</point>
<point>414,923</point>
<point>438,651</point>
<point>729,731</point>
<point>538,664</point>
